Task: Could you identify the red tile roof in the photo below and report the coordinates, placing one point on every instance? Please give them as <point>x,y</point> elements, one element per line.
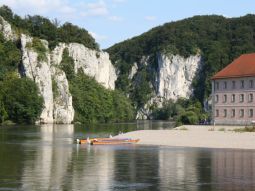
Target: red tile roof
<point>243,66</point>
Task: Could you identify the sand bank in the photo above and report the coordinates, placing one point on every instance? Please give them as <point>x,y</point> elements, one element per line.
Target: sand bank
<point>196,136</point>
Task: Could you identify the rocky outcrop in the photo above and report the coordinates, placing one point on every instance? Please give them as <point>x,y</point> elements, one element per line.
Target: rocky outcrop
<point>133,71</point>
<point>6,30</point>
<point>57,108</point>
<point>93,63</point>
<point>51,80</point>
<point>175,74</point>
<point>40,72</point>
<point>174,78</point>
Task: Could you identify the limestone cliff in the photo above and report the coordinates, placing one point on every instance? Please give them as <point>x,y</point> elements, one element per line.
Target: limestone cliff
<point>174,76</point>
<point>6,30</point>
<point>51,80</point>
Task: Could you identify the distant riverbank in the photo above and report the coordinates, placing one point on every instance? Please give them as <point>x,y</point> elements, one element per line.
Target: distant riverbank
<point>196,136</point>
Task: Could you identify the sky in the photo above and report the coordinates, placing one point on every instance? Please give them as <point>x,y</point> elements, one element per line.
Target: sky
<point>112,21</point>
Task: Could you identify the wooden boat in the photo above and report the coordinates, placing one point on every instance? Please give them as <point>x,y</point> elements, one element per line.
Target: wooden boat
<point>107,141</point>
<point>114,142</point>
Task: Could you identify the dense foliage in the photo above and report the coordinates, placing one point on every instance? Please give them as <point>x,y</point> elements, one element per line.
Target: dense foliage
<point>183,111</point>
<point>92,102</point>
<point>19,100</point>
<point>52,31</point>
<point>219,40</point>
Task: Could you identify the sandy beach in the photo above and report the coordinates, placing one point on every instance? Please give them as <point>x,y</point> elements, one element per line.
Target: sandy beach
<point>196,136</point>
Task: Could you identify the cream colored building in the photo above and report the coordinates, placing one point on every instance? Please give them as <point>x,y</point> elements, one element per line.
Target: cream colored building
<point>233,91</point>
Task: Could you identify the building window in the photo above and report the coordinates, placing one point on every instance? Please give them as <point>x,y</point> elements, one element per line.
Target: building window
<point>250,112</point>
<point>233,84</point>
<point>242,83</point>
<point>225,85</point>
<point>217,85</point>
<point>233,113</point>
<point>224,98</point>
<point>241,113</point>
<point>217,113</point>
<point>251,83</point>
<point>216,98</point>
<point>233,98</point>
<point>241,98</point>
<point>250,97</point>
<point>224,113</point>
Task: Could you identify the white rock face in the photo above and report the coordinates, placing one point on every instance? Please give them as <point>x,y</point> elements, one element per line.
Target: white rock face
<point>173,80</point>
<point>40,72</point>
<point>63,108</point>
<point>60,109</point>
<point>175,74</point>
<point>63,111</point>
<point>6,29</point>
<point>133,71</point>
<point>93,63</point>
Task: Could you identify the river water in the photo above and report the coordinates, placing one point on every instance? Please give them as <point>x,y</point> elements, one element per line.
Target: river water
<point>46,158</point>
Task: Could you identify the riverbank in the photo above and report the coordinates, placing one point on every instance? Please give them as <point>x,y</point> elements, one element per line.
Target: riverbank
<point>196,136</point>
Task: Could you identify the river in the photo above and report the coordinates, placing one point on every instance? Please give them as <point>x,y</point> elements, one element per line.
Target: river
<point>46,158</point>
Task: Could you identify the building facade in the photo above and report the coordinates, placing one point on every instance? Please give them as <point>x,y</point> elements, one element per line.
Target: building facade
<point>233,92</point>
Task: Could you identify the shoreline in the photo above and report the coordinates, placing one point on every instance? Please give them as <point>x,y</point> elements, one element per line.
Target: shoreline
<point>196,136</point>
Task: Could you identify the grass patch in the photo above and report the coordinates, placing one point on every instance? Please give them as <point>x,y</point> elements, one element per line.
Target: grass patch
<point>245,129</point>
<point>222,129</point>
<point>183,128</point>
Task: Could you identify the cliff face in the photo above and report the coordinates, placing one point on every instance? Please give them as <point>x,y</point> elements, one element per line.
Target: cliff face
<point>174,78</point>
<point>175,74</point>
<point>51,80</point>
<point>6,30</point>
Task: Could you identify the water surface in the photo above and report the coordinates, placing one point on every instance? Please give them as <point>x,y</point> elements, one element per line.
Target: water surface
<point>46,158</point>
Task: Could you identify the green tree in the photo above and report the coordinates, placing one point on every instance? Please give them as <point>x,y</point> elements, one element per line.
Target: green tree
<point>21,100</point>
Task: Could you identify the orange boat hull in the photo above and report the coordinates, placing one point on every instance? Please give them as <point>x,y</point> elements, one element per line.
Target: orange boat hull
<point>114,142</point>
<point>107,141</point>
<point>84,141</point>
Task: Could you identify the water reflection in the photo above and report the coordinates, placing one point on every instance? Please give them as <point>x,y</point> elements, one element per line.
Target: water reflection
<point>234,170</point>
<point>46,158</point>
<point>93,169</point>
<point>178,169</point>
<point>48,169</point>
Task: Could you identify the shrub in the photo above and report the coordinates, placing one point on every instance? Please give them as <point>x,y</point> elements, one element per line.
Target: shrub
<point>39,48</point>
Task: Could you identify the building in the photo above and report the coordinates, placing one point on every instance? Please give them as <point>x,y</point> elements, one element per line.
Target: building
<point>233,91</point>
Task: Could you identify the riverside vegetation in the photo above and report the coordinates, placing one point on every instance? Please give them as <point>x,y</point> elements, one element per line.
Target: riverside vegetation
<point>217,39</point>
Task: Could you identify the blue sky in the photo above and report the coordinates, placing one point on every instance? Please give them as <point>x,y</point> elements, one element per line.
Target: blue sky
<point>112,21</point>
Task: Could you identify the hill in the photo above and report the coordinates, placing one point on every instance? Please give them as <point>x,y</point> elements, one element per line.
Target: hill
<point>216,40</point>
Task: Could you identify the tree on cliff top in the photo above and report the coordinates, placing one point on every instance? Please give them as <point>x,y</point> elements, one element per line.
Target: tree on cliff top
<point>52,31</point>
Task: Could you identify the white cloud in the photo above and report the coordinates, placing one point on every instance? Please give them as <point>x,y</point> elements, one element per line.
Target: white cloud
<point>42,7</point>
<point>150,18</point>
<point>115,18</point>
<point>118,1</point>
<point>98,37</point>
<point>94,9</point>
